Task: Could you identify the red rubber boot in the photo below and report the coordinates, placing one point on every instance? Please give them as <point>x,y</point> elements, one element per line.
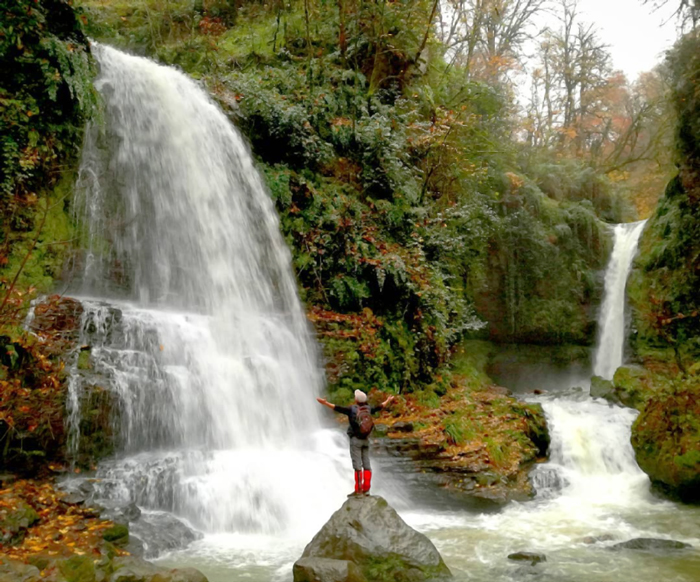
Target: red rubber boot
<point>358,484</point>
<point>366,482</point>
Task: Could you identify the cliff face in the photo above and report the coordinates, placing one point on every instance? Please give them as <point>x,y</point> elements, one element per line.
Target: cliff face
<point>663,288</point>
<point>666,304</point>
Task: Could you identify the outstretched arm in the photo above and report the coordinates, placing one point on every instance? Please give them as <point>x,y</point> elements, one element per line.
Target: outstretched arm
<point>326,403</point>
<point>388,401</point>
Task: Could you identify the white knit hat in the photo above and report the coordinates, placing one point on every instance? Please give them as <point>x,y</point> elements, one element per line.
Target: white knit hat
<point>360,396</point>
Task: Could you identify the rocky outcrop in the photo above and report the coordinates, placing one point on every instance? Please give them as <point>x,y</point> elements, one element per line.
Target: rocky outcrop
<point>106,568</point>
<point>367,541</point>
<point>666,441</point>
<point>631,386</point>
<point>467,472</point>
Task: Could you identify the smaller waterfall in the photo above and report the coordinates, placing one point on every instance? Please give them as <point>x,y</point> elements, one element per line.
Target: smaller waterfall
<point>611,321</point>
<point>591,458</point>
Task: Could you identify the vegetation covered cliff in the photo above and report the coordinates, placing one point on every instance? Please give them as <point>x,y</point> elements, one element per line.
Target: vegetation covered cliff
<point>46,97</point>
<point>419,211</point>
<point>666,302</point>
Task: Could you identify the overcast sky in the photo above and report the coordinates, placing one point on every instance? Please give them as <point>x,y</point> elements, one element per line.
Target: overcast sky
<point>637,37</point>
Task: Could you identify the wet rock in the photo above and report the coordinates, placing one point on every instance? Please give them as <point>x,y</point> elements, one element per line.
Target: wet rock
<point>160,533</point>
<point>74,498</point>
<point>327,570</point>
<point>633,386</point>
<point>597,539</point>
<point>401,427</point>
<point>130,569</point>
<point>651,544</point>
<point>118,535</point>
<point>666,442</point>
<point>531,557</point>
<point>77,569</point>
<point>13,571</point>
<point>125,514</point>
<point>369,533</point>
<point>15,522</point>
<point>602,388</point>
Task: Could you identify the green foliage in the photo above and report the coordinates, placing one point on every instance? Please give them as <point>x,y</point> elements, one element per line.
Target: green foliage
<point>666,438</point>
<point>400,190</point>
<point>46,94</point>
<point>664,285</point>
<point>45,91</point>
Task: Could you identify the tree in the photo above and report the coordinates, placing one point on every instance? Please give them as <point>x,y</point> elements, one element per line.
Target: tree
<point>687,11</point>
<point>485,37</point>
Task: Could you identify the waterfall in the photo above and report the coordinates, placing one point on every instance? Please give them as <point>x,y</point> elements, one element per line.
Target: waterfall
<point>591,459</point>
<point>609,353</point>
<point>192,316</point>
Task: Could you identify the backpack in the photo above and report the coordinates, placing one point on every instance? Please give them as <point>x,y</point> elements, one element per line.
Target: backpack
<point>363,421</point>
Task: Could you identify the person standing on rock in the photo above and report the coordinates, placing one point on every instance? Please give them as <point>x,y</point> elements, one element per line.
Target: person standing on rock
<point>361,425</point>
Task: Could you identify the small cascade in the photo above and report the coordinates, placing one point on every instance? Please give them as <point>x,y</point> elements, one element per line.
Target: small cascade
<point>591,459</point>
<point>609,353</point>
<point>192,318</point>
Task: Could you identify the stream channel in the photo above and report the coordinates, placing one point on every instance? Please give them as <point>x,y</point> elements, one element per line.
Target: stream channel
<point>192,317</point>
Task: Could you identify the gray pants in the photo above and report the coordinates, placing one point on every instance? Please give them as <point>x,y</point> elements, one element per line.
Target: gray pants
<point>359,454</point>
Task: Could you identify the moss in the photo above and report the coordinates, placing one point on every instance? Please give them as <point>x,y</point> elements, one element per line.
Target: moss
<point>78,569</point>
<point>118,534</point>
<point>84,360</point>
<point>666,439</point>
<point>393,569</point>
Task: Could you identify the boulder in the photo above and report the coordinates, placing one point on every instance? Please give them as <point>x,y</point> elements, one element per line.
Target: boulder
<point>401,426</point>
<point>328,570</point>
<point>666,441</point>
<point>15,522</point>
<point>633,386</point>
<point>130,569</point>
<point>602,388</point>
<point>369,533</point>
<point>13,571</point>
<point>651,544</point>
<point>531,557</point>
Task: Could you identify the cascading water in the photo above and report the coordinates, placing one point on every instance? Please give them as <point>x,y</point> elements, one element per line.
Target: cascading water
<point>590,495</point>
<point>193,317</point>
<point>611,321</point>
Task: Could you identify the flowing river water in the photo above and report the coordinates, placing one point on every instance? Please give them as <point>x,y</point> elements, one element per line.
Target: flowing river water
<point>191,312</point>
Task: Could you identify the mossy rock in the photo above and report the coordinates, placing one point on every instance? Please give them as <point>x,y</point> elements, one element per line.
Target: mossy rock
<point>602,388</point>
<point>666,441</point>
<point>118,535</point>
<point>78,569</point>
<point>367,532</point>
<point>14,524</point>
<point>633,386</point>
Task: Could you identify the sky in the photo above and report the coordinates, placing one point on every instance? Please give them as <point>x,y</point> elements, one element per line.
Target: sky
<point>637,37</point>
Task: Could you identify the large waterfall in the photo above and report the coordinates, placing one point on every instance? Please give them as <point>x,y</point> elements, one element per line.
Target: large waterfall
<point>192,316</point>
<point>611,321</point>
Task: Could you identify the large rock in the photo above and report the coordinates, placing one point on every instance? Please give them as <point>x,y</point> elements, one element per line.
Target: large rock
<point>369,534</point>
<point>652,545</point>
<point>633,386</point>
<point>666,441</point>
<point>13,571</point>
<point>315,569</point>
